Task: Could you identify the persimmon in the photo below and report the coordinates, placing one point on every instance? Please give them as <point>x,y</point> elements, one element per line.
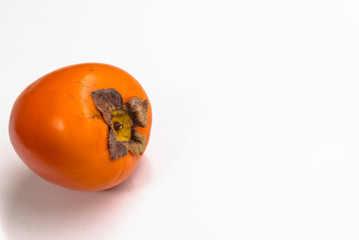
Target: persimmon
<point>83,127</point>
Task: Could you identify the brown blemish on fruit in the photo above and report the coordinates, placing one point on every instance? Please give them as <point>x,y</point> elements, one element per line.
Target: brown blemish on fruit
<point>96,115</point>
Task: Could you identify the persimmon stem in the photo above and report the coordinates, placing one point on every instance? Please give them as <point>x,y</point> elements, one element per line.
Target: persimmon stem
<point>121,120</point>
<point>117,126</point>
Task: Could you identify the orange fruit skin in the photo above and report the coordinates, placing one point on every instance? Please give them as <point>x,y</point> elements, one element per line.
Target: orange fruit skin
<point>56,129</point>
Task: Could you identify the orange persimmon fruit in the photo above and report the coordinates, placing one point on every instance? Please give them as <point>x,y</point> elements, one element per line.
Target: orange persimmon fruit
<point>83,127</point>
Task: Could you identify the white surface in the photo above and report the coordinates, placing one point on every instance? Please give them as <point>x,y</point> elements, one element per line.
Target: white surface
<point>255,106</point>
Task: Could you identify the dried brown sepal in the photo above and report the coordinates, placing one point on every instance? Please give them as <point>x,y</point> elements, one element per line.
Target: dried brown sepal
<point>116,148</point>
<point>137,142</point>
<point>137,108</point>
<point>107,100</point>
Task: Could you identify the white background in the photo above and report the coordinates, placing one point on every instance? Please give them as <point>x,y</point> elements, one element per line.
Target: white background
<point>256,118</point>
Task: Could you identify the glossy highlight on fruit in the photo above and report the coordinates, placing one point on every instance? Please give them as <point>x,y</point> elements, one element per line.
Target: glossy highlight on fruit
<point>83,127</point>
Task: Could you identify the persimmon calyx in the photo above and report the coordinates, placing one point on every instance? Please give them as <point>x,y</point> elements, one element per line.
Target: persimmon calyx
<point>121,120</point>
